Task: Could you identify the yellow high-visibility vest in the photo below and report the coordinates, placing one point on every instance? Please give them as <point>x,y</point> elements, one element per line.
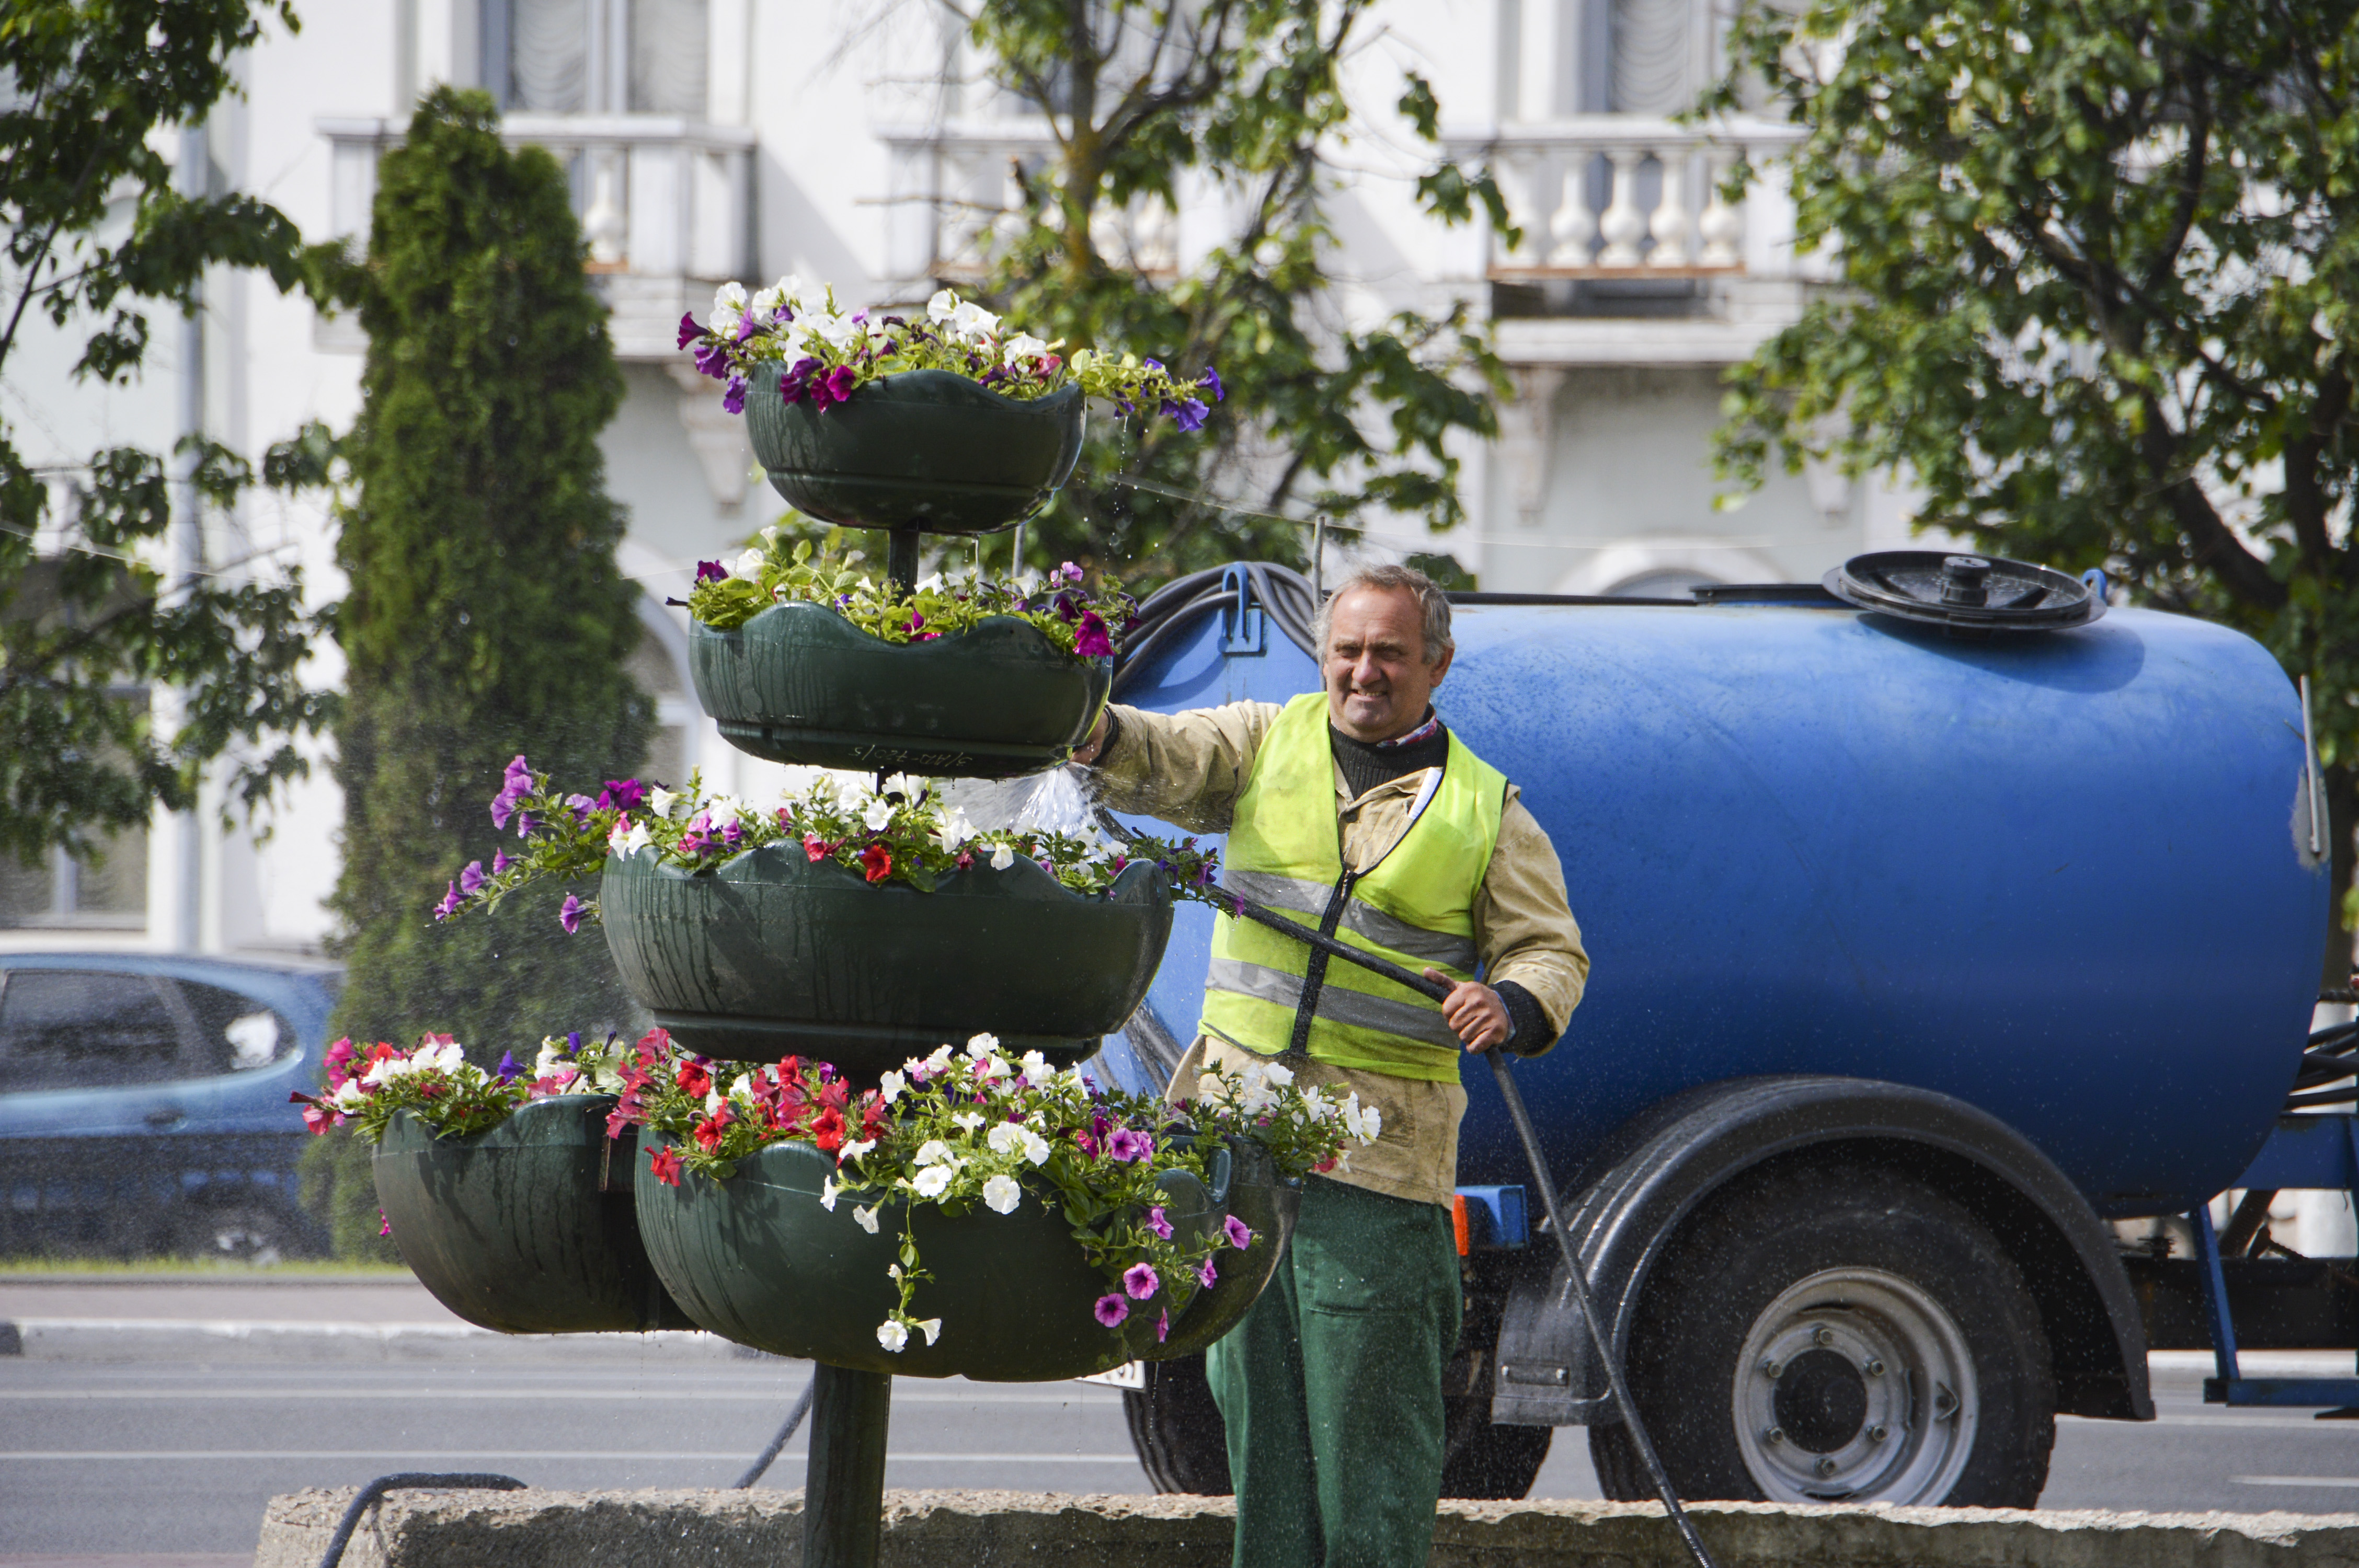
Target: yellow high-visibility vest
<point>1416,907</point>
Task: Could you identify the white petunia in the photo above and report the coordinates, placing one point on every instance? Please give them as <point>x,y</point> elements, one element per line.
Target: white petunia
<point>981,1045</point>
<point>931,1327</point>
<point>866,1218</point>
<point>891,1334</point>
<point>932,1181</point>
<point>661,800</point>
<point>991,1067</point>
<point>713,1101</point>
<point>728,308</point>
<point>1003,1137</point>
<point>450,1058</point>
<point>1025,346</point>
<point>971,320</point>
<point>1000,1195</point>
<point>954,832</point>
<point>1281,1077</point>
<point>765,303</point>
<point>350,1097</point>
<point>943,305</point>
<point>749,567</point>
<point>939,1061</point>
<point>827,1192</point>
<point>1036,1148</point>
<point>1002,857</point>
<point>902,786</point>
<point>891,1084</point>
<point>1035,1066</point>
<point>933,1151</point>
<point>792,290</point>
<point>878,814</point>
<point>854,1150</point>
<point>969,1120</point>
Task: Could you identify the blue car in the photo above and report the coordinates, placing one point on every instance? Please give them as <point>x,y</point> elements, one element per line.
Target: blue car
<point>143,1103</point>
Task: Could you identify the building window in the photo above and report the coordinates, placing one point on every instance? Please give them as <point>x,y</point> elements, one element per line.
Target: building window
<point>597,57</point>
<point>62,891</point>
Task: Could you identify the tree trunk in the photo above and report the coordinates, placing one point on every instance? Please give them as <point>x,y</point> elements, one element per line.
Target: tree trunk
<point>2342,816</point>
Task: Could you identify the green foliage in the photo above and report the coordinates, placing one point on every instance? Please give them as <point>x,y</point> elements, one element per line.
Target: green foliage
<point>2101,278</point>
<point>98,234</point>
<point>486,616</point>
<point>1320,416</point>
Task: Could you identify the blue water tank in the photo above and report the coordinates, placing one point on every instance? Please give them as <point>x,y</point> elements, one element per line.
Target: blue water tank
<point>2064,876</point>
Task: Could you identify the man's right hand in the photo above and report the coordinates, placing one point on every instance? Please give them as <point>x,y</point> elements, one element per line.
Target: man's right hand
<point>1086,753</point>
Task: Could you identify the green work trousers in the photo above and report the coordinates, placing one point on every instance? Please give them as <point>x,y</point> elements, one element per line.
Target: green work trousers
<point>1331,1387</point>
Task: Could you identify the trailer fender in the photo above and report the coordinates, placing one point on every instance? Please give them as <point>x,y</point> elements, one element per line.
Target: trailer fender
<point>1662,1164</point>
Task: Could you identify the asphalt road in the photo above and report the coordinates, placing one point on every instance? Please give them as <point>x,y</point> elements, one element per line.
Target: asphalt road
<point>153,1457</point>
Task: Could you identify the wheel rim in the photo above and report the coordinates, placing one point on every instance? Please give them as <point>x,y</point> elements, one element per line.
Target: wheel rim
<point>1855,1385</point>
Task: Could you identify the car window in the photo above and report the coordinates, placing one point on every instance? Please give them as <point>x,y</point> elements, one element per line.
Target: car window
<point>63,1029</point>
<point>235,1033</point>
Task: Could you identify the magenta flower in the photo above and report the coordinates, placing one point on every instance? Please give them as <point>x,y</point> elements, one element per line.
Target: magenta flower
<point>1157,1224</point>
<point>1127,1146</point>
<point>569,914</point>
<point>712,360</point>
<point>525,823</point>
<point>470,880</point>
<point>1206,1274</point>
<point>1112,1309</point>
<point>689,331</point>
<point>1240,1237</point>
<point>622,794</point>
<point>518,779</point>
<point>502,807</point>
<point>450,905</point>
<point>581,806</point>
<point>1163,1327</point>
<point>711,571</point>
<point>1141,1280</point>
<point>1090,640</point>
<point>733,396</point>
<point>500,861</point>
<point>833,386</point>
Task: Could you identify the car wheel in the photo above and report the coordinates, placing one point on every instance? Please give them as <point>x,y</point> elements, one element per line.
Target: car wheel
<point>250,1234</point>
<point>1177,1429</point>
<point>1837,1334</point>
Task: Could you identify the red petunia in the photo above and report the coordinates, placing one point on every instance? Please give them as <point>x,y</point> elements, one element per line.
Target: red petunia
<point>815,846</point>
<point>827,1130</point>
<point>693,1079</point>
<point>710,1131</point>
<point>665,1162</point>
<point>878,861</point>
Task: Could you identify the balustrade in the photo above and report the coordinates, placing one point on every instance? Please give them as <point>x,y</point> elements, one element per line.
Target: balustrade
<point>956,193</point>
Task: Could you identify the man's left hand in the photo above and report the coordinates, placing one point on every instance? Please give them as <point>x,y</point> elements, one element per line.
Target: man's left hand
<point>1474,1013</point>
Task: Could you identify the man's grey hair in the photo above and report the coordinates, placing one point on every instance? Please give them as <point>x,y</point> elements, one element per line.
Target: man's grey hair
<point>1432,604</point>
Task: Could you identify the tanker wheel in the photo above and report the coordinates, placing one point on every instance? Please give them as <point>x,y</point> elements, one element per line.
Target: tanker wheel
<point>1182,1444</point>
<point>1828,1334</point>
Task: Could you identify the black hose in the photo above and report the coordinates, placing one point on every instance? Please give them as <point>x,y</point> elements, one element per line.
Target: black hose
<point>769,1455</point>
<point>404,1481</point>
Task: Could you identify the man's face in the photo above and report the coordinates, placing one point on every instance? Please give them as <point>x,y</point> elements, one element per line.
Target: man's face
<point>1377,680</point>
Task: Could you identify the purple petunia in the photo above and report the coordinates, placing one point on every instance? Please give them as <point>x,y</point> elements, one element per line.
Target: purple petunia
<point>711,571</point>
<point>510,1068</point>
<point>1212,378</point>
<point>1157,1224</point>
<point>689,331</point>
<point>569,914</point>
<point>1141,1280</point>
<point>450,905</point>
<point>1091,639</point>
<point>712,360</point>
<point>1240,1237</point>
<point>1206,1274</point>
<point>1129,1146</point>
<point>622,794</point>
<point>470,880</point>
<point>518,779</point>
<point>1188,414</point>
<point>1112,1309</point>
<point>733,396</point>
<point>500,861</point>
<point>1163,1327</point>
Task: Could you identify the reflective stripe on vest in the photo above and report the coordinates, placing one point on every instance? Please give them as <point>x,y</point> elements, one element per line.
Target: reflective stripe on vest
<point>1416,907</point>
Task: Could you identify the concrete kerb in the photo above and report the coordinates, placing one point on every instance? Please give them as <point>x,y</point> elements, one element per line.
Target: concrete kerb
<point>958,1529</point>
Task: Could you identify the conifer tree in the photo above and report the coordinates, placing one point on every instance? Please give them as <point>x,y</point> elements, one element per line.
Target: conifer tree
<point>485,616</point>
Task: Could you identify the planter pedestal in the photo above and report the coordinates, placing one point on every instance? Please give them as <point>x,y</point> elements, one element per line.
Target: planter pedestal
<point>844,1484</point>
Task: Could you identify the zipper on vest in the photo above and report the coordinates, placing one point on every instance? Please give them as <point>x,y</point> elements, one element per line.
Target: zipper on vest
<point>1314,974</point>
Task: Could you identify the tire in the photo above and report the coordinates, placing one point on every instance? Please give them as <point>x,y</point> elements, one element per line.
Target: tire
<point>1827,1333</point>
<point>1487,1462</point>
<point>1182,1444</point>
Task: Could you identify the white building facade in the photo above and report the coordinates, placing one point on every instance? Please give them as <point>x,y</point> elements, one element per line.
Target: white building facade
<point>711,140</point>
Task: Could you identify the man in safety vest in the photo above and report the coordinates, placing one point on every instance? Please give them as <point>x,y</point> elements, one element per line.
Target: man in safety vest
<point>1359,813</point>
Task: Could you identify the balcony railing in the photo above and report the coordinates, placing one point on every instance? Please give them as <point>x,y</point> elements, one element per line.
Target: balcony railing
<point>665,203</point>
<point>955,195</point>
<point>1623,196</point>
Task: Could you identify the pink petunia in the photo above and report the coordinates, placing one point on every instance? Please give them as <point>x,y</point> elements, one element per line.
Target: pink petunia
<point>1112,1309</point>
<point>1206,1273</point>
<point>1239,1236</point>
<point>1156,1223</point>
<point>1141,1280</point>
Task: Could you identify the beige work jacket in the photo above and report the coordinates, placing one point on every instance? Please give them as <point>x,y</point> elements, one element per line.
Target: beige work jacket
<point>1188,770</point>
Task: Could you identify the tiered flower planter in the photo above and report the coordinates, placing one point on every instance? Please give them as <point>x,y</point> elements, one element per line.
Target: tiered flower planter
<point>529,1227</point>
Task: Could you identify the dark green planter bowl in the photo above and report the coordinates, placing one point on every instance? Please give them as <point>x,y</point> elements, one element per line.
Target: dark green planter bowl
<point>800,684</point>
<point>772,953</point>
<point>757,1261</point>
<point>528,1227</point>
<point>924,450</point>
